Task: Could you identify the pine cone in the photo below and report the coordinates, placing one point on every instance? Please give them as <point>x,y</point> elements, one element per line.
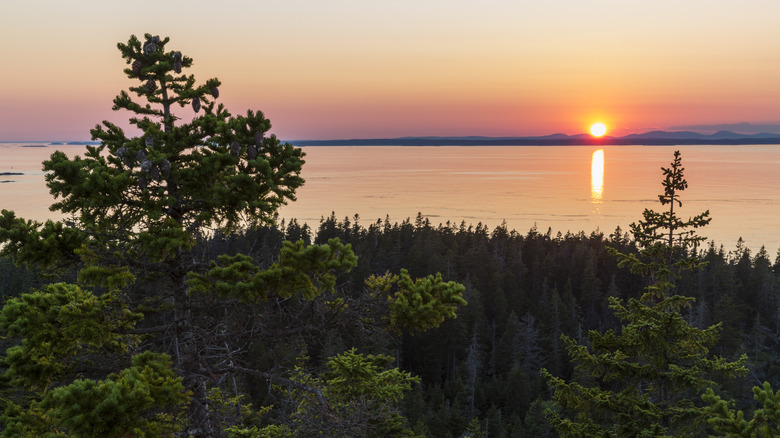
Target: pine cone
<point>146,165</point>
<point>215,92</point>
<point>140,155</point>
<point>142,182</point>
<point>251,151</point>
<point>165,167</point>
<point>137,66</point>
<point>150,86</point>
<point>156,39</point>
<point>235,148</point>
<point>155,174</point>
<point>149,141</point>
<point>122,154</point>
<point>196,104</point>
<point>259,139</point>
<point>177,62</point>
<point>150,47</point>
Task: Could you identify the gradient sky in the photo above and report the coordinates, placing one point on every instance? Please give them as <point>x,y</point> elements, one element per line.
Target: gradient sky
<point>364,68</point>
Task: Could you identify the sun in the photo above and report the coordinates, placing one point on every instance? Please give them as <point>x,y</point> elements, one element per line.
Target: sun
<point>598,129</point>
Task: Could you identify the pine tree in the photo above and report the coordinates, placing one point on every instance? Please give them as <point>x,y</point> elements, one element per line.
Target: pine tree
<point>144,217</point>
<point>726,422</point>
<point>646,379</point>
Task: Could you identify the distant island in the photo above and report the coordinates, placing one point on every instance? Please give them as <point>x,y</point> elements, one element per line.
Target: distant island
<point>79,143</point>
<point>653,138</point>
<point>43,144</point>
<point>9,174</point>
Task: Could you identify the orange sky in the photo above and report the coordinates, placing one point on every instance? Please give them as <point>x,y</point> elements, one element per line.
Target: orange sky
<point>364,68</point>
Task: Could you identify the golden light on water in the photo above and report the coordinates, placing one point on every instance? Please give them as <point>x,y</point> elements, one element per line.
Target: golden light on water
<point>597,176</point>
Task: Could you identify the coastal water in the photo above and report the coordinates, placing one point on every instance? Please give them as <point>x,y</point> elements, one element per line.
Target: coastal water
<point>565,188</point>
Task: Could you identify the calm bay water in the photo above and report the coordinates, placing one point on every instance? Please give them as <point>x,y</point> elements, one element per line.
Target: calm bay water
<point>560,187</point>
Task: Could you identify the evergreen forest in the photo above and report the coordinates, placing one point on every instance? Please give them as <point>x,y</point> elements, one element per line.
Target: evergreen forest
<point>172,301</point>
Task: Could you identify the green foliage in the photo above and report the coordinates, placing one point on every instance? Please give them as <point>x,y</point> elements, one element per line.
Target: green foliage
<point>109,275</point>
<point>48,245</point>
<point>162,240</point>
<point>543,275</point>
<point>152,195</point>
<point>31,421</point>
<point>137,208</point>
<point>424,303</point>
<point>356,396</point>
<point>58,326</point>
<point>664,239</point>
<point>416,305</point>
<point>147,220</point>
<point>474,430</point>
<point>271,431</point>
<point>308,270</point>
<point>195,173</point>
<point>240,419</point>
<point>144,400</point>
<point>352,375</point>
<point>667,227</point>
<point>644,379</point>
<point>728,423</point>
<point>305,270</point>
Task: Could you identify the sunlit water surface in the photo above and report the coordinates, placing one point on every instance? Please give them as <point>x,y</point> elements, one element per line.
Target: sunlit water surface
<point>565,188</point>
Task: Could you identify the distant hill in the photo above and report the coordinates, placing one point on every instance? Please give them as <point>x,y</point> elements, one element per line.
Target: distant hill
<point>648,138</point>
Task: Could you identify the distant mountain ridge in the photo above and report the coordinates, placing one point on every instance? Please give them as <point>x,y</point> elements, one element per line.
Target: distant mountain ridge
<point>720,135</point>
<point>648,138</point>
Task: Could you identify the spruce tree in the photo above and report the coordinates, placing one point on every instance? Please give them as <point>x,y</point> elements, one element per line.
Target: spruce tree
<point>647,378</point>
<point>667,226</point>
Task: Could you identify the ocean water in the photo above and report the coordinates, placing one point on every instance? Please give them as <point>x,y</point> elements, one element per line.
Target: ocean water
<point>564,188</point>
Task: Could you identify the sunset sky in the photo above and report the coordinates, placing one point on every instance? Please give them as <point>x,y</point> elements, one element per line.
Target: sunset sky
<point>367,69</point>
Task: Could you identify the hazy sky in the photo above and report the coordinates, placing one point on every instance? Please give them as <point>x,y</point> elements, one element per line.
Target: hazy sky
<point>365,68</point>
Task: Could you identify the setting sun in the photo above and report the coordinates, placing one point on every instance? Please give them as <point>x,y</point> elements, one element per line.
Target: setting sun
<point>598,129</point>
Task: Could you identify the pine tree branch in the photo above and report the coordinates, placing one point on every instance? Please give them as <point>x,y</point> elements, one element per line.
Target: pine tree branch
<point>272,378</point>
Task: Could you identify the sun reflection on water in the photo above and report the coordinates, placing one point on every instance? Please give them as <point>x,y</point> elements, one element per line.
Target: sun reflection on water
<point>597,176</point>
